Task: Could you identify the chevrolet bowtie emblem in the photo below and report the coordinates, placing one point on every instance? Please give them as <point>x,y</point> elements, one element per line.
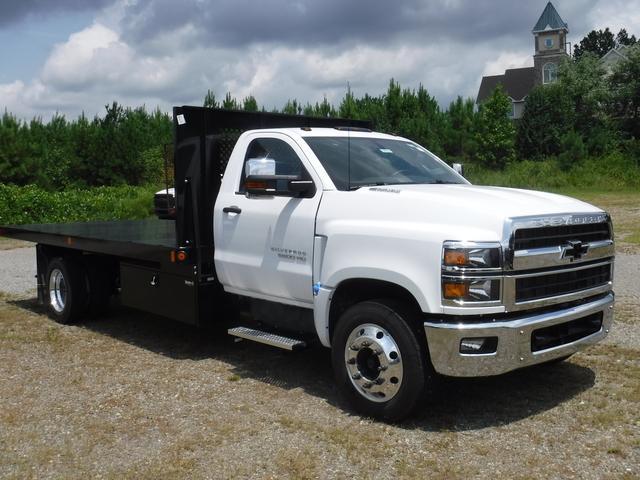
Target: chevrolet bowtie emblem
<point>574,250</point>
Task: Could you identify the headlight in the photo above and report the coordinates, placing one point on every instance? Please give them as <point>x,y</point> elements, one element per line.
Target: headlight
<point>471,290</point>
<point>471,273</point>
<point>468,255</point>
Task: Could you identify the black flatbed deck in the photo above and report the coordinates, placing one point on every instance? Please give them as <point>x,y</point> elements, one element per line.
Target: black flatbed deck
<point>149,240</point>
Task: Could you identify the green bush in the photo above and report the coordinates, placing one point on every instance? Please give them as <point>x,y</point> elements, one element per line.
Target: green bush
<point>615,171</point>
<point>32,204</point>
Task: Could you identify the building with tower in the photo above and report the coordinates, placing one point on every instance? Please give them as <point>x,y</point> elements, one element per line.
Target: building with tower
<point>550,49</point>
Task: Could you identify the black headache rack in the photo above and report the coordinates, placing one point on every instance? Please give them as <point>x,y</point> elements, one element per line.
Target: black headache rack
<point>203,140</point>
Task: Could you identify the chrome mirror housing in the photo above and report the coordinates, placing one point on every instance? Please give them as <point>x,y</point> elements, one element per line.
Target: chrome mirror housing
<point>259,167</point>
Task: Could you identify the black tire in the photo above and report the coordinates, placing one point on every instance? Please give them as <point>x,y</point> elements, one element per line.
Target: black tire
<point>67,302</point>
<point>401,323</point>
<point>100,287</point>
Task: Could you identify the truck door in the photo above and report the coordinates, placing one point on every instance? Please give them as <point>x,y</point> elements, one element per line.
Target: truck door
<point>264,244</point>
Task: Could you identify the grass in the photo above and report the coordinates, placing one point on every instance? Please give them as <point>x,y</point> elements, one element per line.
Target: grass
<point>10,243</point>
<point>624,208</point>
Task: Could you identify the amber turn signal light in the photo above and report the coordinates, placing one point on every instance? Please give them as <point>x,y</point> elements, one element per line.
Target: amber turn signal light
<point>454,291</point>
<point>256,185</point>
<point>456,258</point>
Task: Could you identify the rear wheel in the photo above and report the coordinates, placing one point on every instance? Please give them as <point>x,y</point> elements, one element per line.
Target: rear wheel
<point>380,359</point>
<point>67,288</point>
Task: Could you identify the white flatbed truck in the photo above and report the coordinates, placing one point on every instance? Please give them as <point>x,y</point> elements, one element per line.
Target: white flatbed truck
<point>367,243</point>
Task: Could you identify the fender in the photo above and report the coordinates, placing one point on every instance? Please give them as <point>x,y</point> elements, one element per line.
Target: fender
<point>323,294</point>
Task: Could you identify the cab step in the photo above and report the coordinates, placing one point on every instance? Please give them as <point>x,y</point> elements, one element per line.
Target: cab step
<point>267,338</point>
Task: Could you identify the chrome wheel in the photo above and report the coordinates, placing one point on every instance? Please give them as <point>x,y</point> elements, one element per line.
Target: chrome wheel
<point>373,362</point>
<point>57,290</point>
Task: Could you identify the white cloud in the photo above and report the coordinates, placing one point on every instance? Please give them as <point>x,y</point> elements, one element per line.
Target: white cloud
<point>88,56</point>
<point>96,66</point>
<point>616,14</point>
<point>508,60</point>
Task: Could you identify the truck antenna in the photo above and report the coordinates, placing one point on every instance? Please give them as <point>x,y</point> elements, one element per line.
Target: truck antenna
<point>349,139</point>
<point>348,160</point>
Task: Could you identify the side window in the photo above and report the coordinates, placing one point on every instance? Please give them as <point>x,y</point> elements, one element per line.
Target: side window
<point>286,160</point>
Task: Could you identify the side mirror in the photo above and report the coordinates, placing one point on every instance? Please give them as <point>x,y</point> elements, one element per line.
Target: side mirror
<point>302,188</point>
<point>261,179</point>
<point>281,185</point>
<point>459,168</point>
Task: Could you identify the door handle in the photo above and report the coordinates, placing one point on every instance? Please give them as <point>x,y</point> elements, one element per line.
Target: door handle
<point>232,209</point>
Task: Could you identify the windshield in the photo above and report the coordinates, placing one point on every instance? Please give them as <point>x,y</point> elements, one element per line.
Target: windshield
<point>364,161</point>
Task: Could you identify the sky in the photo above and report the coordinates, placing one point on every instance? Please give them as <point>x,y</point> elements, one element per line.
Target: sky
<point>73,56</point>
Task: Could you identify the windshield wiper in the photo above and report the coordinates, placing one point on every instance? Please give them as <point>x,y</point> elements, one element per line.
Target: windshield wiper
<point>376,184</point>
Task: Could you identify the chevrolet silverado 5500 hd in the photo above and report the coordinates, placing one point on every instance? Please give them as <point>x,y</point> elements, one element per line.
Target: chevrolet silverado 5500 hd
<point>322,230</point>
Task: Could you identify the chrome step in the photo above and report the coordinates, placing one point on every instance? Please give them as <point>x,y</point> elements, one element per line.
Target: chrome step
<point>267,338</point>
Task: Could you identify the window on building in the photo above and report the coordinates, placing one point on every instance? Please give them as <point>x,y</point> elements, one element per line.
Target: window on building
<point>549,73</point>
<point>548,42</point>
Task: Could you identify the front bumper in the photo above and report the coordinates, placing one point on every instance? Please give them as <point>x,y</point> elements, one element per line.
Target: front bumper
<point>514,349</point>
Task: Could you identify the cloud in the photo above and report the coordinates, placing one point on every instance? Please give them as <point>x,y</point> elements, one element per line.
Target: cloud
<point>12,11</point>
<point>164,53</point>
<point>236,23</point>
<point>508,60</point>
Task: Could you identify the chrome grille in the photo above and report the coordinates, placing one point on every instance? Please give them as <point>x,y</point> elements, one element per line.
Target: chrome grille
<point>529,238</point>
<point>561,283</point>
<point>554,259</point>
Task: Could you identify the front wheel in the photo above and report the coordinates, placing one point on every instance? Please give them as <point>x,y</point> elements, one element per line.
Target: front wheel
<point>380,359</point>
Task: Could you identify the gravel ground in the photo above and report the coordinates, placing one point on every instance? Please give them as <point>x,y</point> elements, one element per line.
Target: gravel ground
<point>136,396</point>
<point>18,270</point>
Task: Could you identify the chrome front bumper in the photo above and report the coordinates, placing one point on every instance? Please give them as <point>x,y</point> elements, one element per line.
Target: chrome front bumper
<point>514,340</point>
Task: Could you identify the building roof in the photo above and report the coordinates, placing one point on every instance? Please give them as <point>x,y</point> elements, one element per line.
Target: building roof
<point>617,54</point>
<point>517,83</point>
<point>613,54</point>
<point>550,20</point>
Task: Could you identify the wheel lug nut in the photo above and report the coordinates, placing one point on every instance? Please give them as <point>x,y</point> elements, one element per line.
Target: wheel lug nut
<point>367,385</point>
<point>354,347</point>
<point>366,343</point>
<point>378,351</point>
<point>379,381</point>
<point>382,368</point>
<point>351,361</point>
<point>356,376</point>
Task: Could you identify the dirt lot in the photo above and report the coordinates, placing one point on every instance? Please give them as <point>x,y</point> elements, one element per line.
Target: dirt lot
<point>136,396</point>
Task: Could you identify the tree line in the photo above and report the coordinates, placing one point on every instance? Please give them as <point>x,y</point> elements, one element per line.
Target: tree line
<point>125,146</point>
<point>588,112</point>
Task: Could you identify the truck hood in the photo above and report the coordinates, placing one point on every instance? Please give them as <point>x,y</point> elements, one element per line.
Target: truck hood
<point>457,211</point>
<point>505,202</point>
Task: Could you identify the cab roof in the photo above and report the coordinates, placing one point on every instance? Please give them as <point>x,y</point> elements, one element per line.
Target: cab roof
<point>327,132</point>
